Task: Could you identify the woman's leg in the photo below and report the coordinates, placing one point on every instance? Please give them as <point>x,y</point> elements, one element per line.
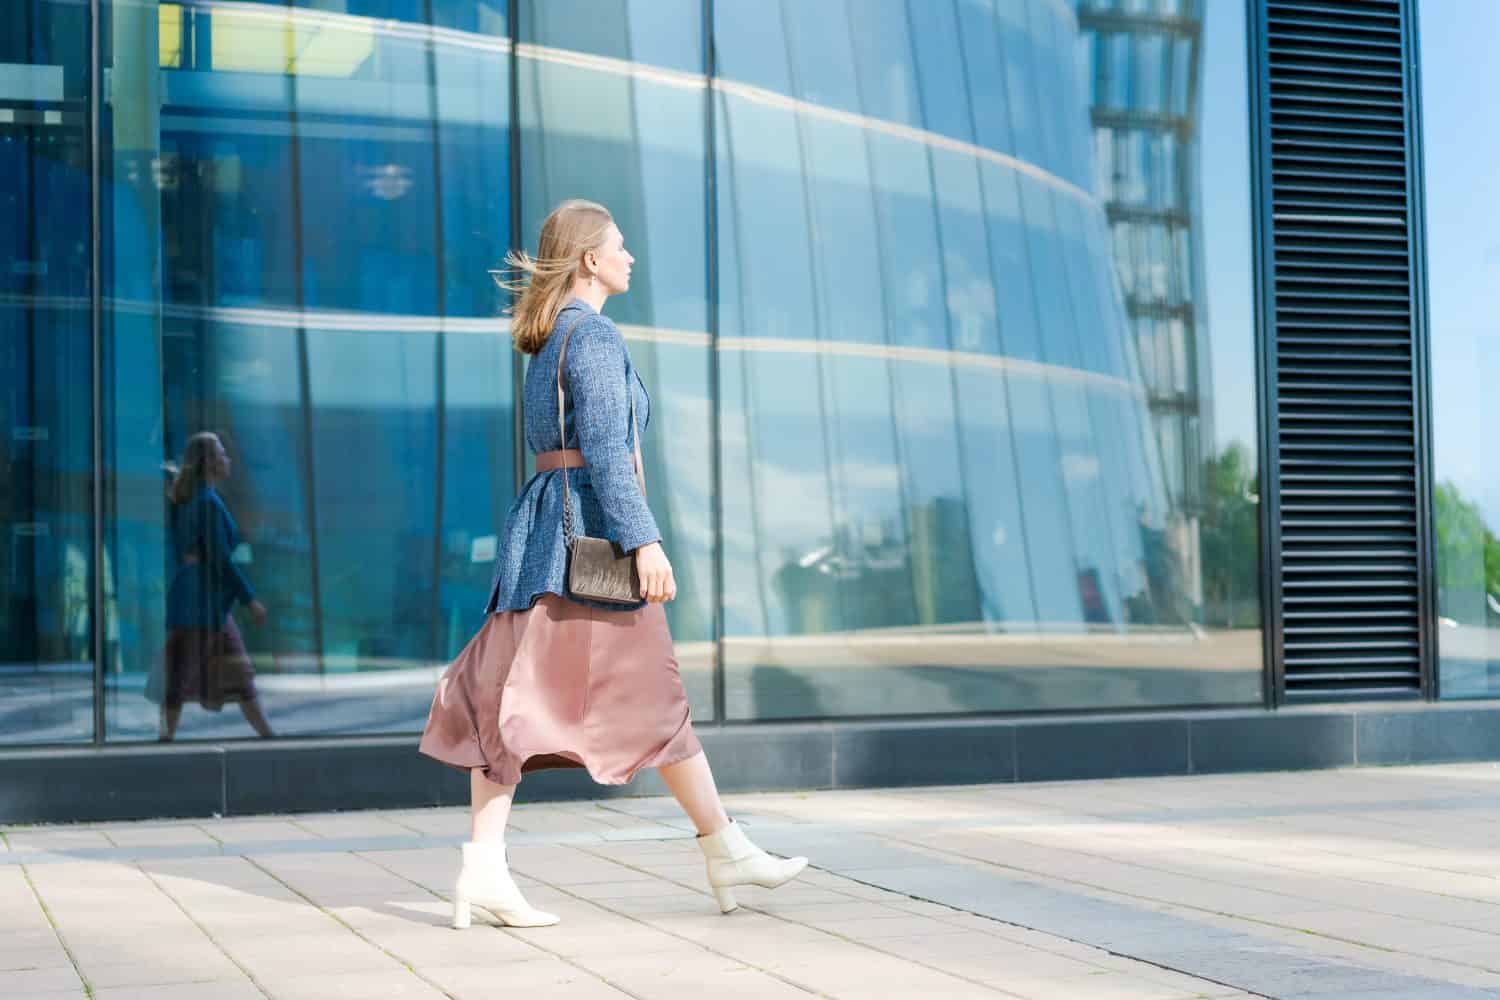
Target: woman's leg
<point>170,716</point>
<point>256,718</point>
<point>485,879</point>
<point>731,858</point>
<point>489,807</point>
<point>692,785</point>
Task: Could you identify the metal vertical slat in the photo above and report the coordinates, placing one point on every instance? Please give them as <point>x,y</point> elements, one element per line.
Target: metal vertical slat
<point>1343,366</point>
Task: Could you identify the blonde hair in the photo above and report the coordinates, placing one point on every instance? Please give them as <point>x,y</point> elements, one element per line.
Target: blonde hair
<point>572,229</point>
<point>196,468</point>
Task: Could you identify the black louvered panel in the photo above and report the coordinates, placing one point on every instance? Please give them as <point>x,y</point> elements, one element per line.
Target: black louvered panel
<point>1346,443</point>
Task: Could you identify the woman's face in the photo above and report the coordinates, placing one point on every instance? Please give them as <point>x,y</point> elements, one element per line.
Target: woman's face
<point>612,262</point>
<point>220,463</point>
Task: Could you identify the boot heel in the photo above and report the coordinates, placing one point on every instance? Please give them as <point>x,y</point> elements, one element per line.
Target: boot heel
<point>462,915</point>
<point>726,900</point>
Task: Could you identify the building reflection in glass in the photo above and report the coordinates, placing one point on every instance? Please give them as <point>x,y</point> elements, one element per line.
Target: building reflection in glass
<point>967,392</point>
<point>967,341</point>
<point>1463,276</point>
<point>296,254</point>
<point>613,104</point>
<point>47,612</point>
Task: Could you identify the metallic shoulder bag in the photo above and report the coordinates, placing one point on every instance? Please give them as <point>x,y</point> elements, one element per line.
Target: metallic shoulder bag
<point>598,568</point>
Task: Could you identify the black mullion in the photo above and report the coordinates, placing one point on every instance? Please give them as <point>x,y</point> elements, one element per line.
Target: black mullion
<point>1264,256</point>
<point>711,286</point>
<point>304,363</point>
<point>97,636</point>
<point>517,363</point>
<point>1427,568</point>
<point>440,360</point>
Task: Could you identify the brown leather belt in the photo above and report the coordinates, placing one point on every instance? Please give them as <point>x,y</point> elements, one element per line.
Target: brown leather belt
<point>565,458</point>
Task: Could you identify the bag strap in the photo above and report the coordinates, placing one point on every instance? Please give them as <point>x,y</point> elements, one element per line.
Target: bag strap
<point>562,435</point>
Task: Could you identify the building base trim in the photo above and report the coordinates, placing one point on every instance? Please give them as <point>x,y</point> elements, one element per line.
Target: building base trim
<point>96,784</point>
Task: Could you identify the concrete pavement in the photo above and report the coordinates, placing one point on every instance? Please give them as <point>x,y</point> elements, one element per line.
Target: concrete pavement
<point>1365,883</point>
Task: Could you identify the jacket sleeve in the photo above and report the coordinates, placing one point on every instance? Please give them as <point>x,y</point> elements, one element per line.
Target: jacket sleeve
<point>597,388</point>
<point>221,542</point>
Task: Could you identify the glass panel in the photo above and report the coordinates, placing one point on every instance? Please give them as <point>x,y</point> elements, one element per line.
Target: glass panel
<point>300,207</point>
<point>659,33</point>
<point>628,132</point>
<point>987,440</point>
<point>46,376</point>
<point>1463,281</point>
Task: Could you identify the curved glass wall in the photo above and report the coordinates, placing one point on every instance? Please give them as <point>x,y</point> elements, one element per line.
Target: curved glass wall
<point>945,309</point>
<point>975,451</point>
<point>1463,282</point>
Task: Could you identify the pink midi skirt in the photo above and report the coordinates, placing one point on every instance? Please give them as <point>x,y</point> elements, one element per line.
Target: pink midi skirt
<point>563,685</point>
<point>209,666</point>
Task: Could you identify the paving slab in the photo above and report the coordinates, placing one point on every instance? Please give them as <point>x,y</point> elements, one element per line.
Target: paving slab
<point>1359,884</point>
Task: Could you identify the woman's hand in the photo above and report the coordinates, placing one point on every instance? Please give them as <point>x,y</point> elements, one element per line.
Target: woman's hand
<point>258,613</point>
<point>657,582</point>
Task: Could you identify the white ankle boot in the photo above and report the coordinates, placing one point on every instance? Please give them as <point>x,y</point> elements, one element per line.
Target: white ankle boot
<point>485,881</point>
<point>732,860</point>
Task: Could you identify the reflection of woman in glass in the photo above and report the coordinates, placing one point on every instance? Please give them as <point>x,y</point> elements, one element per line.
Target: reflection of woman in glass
<point>557,681</point>
<point>206,659</point>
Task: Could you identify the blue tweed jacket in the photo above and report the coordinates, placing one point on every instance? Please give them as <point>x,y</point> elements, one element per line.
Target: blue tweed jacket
<point>202,591</point>
<point>607,503</point>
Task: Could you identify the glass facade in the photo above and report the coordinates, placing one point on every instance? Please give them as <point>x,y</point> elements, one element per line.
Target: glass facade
<point>290,194</point>
<point>1463,282</point>
<point>615,113</point>
<point>945,308</point>
<point>46,365</point>
<point>963,319</point>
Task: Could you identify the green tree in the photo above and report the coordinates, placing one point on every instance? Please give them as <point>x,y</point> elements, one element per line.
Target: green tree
<point>1229,539</point>
<point>1468,555</point>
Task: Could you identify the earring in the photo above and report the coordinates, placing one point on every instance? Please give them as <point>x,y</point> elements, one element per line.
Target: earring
<point>591,281</point>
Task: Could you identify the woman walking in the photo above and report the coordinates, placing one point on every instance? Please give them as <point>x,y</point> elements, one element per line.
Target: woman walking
<point>205,657</point>
<point>554,679</point>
